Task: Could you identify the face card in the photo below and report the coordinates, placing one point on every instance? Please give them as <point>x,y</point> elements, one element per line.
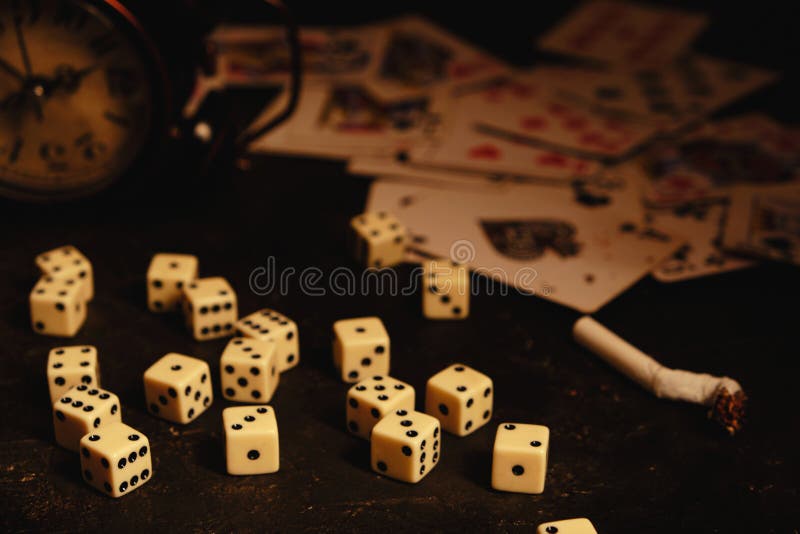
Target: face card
<point>281,140</point>
<point>765,222</point>
<point>751,149</point>
<point>702,253</point>
<point>523,108</point>
<point>669,97</point>
<point>254,55</point>
<point>350,116</point>
<point>420,56</point>
<point>624,33</point>
<point>538,239</point>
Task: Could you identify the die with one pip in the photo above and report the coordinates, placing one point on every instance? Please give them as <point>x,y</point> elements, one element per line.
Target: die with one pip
<point>251,440</point>
<point>519,457</point>
<point>579,525</point>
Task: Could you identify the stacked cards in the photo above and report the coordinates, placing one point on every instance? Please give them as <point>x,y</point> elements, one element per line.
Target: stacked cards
<point>591,176</point>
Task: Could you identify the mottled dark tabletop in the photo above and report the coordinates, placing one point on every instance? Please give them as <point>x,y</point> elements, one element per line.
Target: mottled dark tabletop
<point>629,462</point>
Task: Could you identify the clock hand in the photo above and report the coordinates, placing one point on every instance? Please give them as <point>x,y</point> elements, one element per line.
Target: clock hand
<point>11,69</point>
<point>26,60</point>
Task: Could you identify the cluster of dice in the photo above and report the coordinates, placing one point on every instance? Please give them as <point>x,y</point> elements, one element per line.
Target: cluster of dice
<point>404,444</point>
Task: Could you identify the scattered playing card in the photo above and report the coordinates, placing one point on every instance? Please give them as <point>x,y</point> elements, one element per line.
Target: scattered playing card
<point>624,33</point>
<point>254,55</point>
<point>703,164</point>
<point>765,222</point>
<point>536,238</point>
<point>459,145</point>
<point>420,56</point>
<point>702,253</point>
<point>670,96</point>
<point>524,108</point>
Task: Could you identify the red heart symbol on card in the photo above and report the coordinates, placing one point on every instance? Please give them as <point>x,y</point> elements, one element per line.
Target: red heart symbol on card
<point>551,159</point>
<point>484,152</point>
<point>534,123</point>
<point>558,109</point>
<point>575,123</point>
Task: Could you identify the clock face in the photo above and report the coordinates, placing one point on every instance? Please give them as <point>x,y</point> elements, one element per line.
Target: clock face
<point>75,97</point>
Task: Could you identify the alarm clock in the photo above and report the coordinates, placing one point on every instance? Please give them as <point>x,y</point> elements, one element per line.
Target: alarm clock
<point>91,90</point>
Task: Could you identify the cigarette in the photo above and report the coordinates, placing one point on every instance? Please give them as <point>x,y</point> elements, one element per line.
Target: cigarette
<point>724,396</point>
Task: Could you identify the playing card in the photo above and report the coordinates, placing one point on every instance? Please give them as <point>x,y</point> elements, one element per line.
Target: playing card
<point>624,33</point>
<point>350,116</point>
<point>765,222</point>
<point>670,96</point>
<point>391,167</point>
<point>539,239</point>
<point>702,253</point>
<point>458,145</point>
<point>703,164</point>
<point>523,108</point>
<point>281,141</point>
<point>254,55</point>
<point>420,56</point>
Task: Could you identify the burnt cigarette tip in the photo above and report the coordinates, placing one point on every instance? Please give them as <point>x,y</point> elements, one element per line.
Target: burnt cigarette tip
<point>729,410</point>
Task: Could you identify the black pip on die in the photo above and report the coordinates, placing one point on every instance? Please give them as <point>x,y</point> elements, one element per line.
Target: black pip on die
<point>178,388</point>
<point>167,275</point>
<point>116,459</point>
<point>271,325</point>
<point>372,398</point>
<point>247,370</point>
<point>378,239</point>
<point>405,445</point>
<point>210,308</point>
<point>68,262</point>
<point>461,398</point>
<point>360,348</point>
<point>81,410</point>
<point>71,366</point>
<point>445,290</point>
<point>251,440</point>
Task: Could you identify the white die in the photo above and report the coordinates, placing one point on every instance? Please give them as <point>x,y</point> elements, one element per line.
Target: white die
<point>461,398</point>
<point>166,277</point>
<point>57,306</point>
<point>116,459</point>
<point>210,308</point>
<point>379,239</point>
<point>579,525</point>
<point>271,325</point>
<point>251,440</point>
<point>445,290</point>
<point>405,445</point>
<point>71,366</point>
<point>178,388</point>
<point>372,398</point>
<point>519,457</point>
<point>81,410</point>
<point>247,370</point>
<point>360,348</point>
<point>68,262</point>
